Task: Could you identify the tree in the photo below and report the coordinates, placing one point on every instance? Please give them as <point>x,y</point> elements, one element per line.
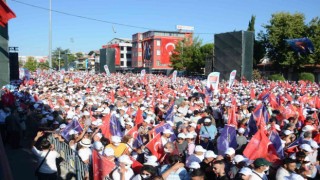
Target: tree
<point>31,64</point>
<point>313,32</point>
<point>187,56</point>
<point>64,55</point>
<point>43,65</point>
<point>79,55</point>
<point>251,23</point>
<point>284,26</point>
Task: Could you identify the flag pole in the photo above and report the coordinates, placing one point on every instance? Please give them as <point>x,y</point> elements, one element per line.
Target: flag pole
<point>50,34</point>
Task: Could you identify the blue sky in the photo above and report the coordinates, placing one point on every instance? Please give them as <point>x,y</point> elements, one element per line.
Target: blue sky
<point>29,30</point>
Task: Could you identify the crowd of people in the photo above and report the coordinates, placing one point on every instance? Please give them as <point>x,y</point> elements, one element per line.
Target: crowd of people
<point>175,129</point>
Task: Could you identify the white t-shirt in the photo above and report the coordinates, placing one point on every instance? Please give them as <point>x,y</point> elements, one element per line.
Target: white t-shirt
<point>116,174</point>
<point>85,153</point>
<point>49,165</point>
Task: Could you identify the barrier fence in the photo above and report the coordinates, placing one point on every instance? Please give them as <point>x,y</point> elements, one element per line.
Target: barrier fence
<point>73,162</point>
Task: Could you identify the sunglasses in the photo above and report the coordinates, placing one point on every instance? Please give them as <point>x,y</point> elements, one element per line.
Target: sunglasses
<point>146,174</point>
<point>180,139</point>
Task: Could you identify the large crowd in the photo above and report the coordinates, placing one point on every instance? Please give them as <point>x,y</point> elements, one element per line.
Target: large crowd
<point>179,129</point>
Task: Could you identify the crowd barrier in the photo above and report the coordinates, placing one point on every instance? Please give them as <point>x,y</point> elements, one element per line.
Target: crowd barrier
<point>73,162</point>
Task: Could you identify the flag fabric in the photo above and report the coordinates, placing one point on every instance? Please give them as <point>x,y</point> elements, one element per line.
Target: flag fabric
<point>105,127</point>
<point>232,116</point>
<point>139,118</point>
<point>301,45</point>
<point>252,126</point>
<point>232,78</point>
<point>155,146</point>
<point>170,113</point>
<point>160,129</point>
<point>102,167</point>
<point>133,132</point>
<point>115,126</point>
<point>276,141</point>
<point>136,166</point>
<point>74,125</point>
<point>257,146</point>
<point>227,139</point>
<point>137,142</point>
<point>5,13</point>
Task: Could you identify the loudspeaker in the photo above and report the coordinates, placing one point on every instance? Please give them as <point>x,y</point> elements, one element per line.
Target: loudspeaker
<point>14,65</point>
<point>234,51</point>
<point>107,57</point>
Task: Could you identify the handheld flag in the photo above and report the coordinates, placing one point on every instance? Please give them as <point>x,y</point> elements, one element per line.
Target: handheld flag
<point>227,139</point>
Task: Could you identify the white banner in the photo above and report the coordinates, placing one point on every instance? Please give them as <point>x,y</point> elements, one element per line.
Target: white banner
<point>143,72</point>
<point>232,78</point>
<point>213,80</point>
<point>174,76</point>
<point>106,68</point>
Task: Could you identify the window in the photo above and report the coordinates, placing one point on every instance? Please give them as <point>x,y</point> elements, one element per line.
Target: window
<point>158,42</point>
<point>129,63</point>
<point>158,62</point>
<point>121,55</point>
<point>158,53</point>
<point>139,45</point>
<point>121,63</point>
<point>139,53</point>
<point>128,56</point>
<point>128,48</point>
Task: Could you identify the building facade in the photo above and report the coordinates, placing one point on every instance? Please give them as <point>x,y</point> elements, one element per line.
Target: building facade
<point>123,48</point>
<point>152,49</point>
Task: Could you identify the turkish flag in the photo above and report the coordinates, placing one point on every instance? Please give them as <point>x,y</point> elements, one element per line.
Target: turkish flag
<point>139,118</point>
<point>105,127</point>
<point>258,146</point>
<point>155,146</point>
<point>232,117</point>
<point>5,13</point>
<point>133,132</point>
<point>102,167</point>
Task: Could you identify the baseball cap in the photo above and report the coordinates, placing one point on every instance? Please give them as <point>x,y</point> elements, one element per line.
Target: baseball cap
<point>230,151</point>
<point>246,171</point>
<point>261,162</point>
<point>210,154</point>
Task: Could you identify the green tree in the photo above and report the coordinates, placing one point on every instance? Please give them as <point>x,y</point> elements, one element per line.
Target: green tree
<point>79,55</point>
<point>251,23</point>
<point>64,55</point>
<point>284,26</point>
<point>187,56</point>
<point>31,64</point>
<point>43,65</point>
<point>313,32</point>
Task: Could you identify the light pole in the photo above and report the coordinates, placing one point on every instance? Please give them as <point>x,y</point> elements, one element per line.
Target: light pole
<point>50,35</point>
<point>59,60</point>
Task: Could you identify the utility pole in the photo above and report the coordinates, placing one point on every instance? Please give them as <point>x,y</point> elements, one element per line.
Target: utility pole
<point>59,60</point>
<point>50,35</point>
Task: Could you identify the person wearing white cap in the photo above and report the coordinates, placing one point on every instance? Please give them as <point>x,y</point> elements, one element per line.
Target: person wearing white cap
<point>165,138</point>
<point>152,161</point>
<point>198,155</point>
<point>229,157</point>
<point>245,173</point>
<point>193,165</point>
<point>181,144</point>
<point>208,128</point>
<point>123,171</point>
<point>191,145</point>
<point>206,164</point>
<point>128,126</point>
<point>241,139</point>
<point>118,147</point>
<point>205,142</point>
<point>240,162</point>
<point>109,153</point>
<point>314,154</point>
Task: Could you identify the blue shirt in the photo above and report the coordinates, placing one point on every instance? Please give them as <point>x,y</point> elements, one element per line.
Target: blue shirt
<point>211,130</point>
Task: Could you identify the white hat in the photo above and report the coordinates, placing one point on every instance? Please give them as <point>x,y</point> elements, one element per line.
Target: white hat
<point>246,171</point>
<point>314,144</point>
<point>116,139</point>
<point>306,147</point>
<point>109,151</point>
<point>194,165</point>
<point>181,135</point>
<point>287,132</point>
<point>142,108</point>
<point>189,136</point>
<point>98,145</point>
<point>307,128</point>
<point>148,120</point>
<point>86,113</point>
<point>170,122</point>
<point>207,120</point>
<point>152,161</point>
<point>210,154</point>
<point>62,126</point>
<point>99,110</point>
<point>72,132</point>
<point>230,151</point>
<point>241,130</point>
<point>85,142</point>
<point>97,122</point>
<point>277,127</point>
<point>199,149</point>
<point>125,159</point>
<point>238,158</point>
<point>193,125</point>
<point>98,135</point>
<point>167,131</point>
<point>129,123</point>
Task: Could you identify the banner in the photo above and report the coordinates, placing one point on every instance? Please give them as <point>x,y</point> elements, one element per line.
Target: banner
<point>232,78</point>
<point>106,68</point>
<point>174,76</point>
<point>213,80</point>
<point>102,167</point>
<point>143,73</point>
<point>21,73</point>
<point>74,125</point>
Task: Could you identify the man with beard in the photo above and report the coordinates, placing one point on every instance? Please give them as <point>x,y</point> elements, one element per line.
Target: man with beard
<point>288,167</point>
<point>260,166</point>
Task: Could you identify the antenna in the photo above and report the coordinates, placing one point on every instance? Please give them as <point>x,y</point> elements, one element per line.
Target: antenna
<point>114,31</point>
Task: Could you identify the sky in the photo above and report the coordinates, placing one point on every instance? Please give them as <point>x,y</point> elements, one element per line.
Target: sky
<point>122,18</point>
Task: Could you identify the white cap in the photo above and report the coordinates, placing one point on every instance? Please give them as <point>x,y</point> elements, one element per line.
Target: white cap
<point>306,147</point>
<point>85,142</point>
<point>230,151</point>
<point>189,136</point>
<point>193,125</point>
<point>129,123</point>
<point>210,154</point>
<point>307,128</point>
<point>246,171</point>
<point>86,113</point>
<point>62,126</point>
<point>241,130</point>
<point>199,149</point>
<point>167,131</point>
<point>239,158</point>
<point>181,135</point>
<point>116,139</point>
<point>294,176</point>
<point>207,120</point>
<point>98,135</point>
<point>194,165</point>
<point>152,161</point>
<point>277,127</point>
<point>287,132</point>
<point>109,151</point>
<point>98,145</point>
<point>125,159</point>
